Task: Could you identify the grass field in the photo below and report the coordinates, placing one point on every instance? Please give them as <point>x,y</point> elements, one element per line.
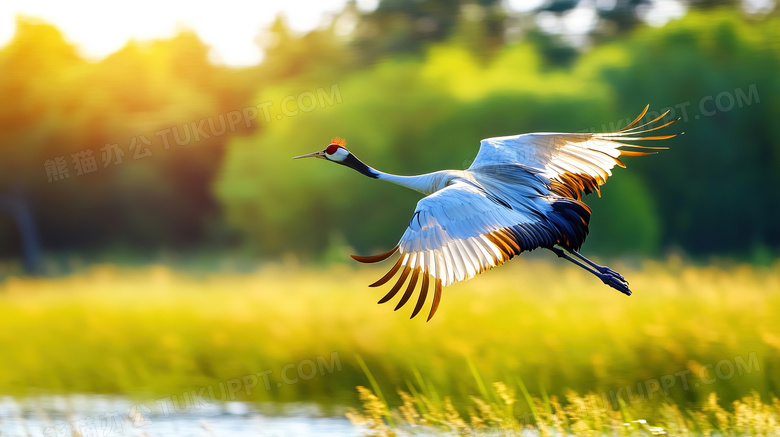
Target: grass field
<point>523,340</point>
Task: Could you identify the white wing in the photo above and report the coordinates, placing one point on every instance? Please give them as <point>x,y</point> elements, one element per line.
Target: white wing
<point>572,162</point>
<point>457,233</point>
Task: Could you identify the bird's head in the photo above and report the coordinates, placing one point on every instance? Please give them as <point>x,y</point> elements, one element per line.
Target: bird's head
<point>339,154</point>
<point>335,151</point>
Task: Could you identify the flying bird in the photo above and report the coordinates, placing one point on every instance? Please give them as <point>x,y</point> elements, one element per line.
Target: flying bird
<point>522,192</point>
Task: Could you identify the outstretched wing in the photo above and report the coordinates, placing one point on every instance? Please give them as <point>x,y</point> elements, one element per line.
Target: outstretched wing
<point>573,162</point>
<point>455,234</point>
<point>465,228</point>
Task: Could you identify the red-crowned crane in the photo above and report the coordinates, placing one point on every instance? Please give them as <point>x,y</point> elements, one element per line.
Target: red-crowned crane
<point>522,192</point>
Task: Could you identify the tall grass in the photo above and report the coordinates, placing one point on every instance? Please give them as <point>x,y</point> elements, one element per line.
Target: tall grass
<point>580,415</point>
<point>544,328</point>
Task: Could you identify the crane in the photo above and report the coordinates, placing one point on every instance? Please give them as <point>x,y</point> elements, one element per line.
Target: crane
<point>522,192</point>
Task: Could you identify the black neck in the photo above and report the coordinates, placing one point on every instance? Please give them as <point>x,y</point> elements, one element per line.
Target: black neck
<point>354,163</point>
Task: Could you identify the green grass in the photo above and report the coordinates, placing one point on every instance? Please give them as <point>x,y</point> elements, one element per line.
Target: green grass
<point>545,329</point>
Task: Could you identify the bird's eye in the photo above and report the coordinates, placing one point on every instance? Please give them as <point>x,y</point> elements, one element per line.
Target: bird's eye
<point>332,149</point>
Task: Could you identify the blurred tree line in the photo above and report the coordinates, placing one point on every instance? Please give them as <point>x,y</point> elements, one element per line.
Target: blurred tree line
<point>413,86</point>
<point>83,147</point>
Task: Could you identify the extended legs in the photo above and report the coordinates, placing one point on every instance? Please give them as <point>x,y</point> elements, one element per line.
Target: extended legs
<point>607,275</point>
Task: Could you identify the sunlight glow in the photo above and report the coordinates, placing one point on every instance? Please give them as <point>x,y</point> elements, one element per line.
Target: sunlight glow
<point>660,12</point>
<point>230,27</point>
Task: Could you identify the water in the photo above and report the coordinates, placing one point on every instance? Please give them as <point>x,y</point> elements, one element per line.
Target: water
<point>106,416</point>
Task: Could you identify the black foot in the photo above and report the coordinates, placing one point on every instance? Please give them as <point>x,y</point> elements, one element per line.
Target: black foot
<point>614,282</point>
<point>608,271</point>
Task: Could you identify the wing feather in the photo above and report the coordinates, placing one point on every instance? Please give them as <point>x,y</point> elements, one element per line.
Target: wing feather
<point>458,232</point>
<point>573,162</point>
<point>389,275</point>
<point>421,298</point>
<point>436,299</point>
<point>409,289</point>
<point>393,291</point>
<point>375,258</point>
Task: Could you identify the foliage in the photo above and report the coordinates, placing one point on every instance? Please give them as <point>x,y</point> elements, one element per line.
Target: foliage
<point>405,105</point>
<point>56,104</point>
<point>409,26</point>
<point>714,70</point>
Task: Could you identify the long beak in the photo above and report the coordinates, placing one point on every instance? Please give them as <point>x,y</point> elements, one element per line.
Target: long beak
<point>320,154</point>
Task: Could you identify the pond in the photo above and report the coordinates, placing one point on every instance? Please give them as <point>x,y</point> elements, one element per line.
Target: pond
<point>107,416</point>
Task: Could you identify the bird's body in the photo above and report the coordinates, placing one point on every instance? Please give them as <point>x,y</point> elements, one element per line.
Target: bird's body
<point>522,192</point>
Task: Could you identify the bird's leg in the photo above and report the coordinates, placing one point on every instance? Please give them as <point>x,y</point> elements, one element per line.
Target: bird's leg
<point>601,269</point>
<point>607,278</point>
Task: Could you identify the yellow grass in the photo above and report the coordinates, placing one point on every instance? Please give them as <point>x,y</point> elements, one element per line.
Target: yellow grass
<point>546,327</point>
<point>579,415</point>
